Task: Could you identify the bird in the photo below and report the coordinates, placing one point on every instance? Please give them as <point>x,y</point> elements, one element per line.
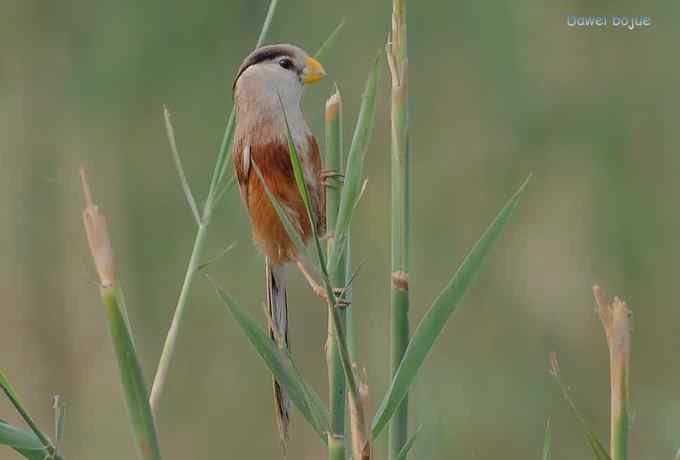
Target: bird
<point>271,80</point>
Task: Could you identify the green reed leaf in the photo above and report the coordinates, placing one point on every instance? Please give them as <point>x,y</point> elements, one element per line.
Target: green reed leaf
<point>330,41</point>
<point>408,445</point>
<point>14,399</point>
<point>132,378</point>
<point>351,189</point>
<point>292,231</point>
<point>24,442</point>
<point>547,441</point>
<point>177,160</point>
<point>596,446</point>
<point>281,365</point>
<point>337,321</point>
<point>439,312</point>
<point>19,438</point>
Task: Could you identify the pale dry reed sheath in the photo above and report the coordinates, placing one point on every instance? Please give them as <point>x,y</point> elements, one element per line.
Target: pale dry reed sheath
<point>616,321</point>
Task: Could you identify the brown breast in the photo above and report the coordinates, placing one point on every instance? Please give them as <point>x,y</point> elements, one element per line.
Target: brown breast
<point>273,161</point>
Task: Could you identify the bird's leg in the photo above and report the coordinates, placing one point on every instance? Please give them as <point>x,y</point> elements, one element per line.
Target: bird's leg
<point>316,287</point>
<point>319,289</point>
<point>327,174</point>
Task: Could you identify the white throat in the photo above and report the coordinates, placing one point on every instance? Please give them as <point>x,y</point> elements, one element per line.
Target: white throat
<point>260,100</point>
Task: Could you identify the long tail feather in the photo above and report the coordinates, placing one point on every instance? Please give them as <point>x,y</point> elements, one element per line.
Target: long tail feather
<point>278,330</point>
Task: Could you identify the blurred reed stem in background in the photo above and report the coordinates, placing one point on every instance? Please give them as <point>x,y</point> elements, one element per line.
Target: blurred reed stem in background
<point>396,52</point>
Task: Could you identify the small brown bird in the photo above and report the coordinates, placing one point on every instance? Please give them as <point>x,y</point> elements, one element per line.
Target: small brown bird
<point>270,80</point>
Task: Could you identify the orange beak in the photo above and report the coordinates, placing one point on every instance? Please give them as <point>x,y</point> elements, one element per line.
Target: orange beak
<point>313,71</point>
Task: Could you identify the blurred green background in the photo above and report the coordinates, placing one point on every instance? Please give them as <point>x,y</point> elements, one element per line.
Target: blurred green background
<point>499,89</point>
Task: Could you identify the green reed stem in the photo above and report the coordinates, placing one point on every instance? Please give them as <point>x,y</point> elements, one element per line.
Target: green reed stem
<point>401,215</point>
<point>336,374</point>
<point>216,186</point>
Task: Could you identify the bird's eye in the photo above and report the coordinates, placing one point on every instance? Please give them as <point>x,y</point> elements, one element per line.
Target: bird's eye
<point>286,63</point>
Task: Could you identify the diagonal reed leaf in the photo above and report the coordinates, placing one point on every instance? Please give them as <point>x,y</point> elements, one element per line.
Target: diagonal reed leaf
<point>132,378</point>
<point>130,371</point>
<point>338,329</point>
<point>24,442</point>
<point>293,232</point>
<point>355,164</point>
<point>596,446</point>
<point>170,131</point>
<point>441,309</point>
<point>215,192</point>
<point>281,365</point>
<point>330,41</point>
<point>547,441</point>
<point>408,445</point>
<point>19,439</point>
<point>14,399</point>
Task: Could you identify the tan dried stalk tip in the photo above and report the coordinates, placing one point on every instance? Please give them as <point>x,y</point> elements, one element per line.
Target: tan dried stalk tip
<point>616,321</point>
<point>333,106</point>
<point>361,444</point>
<point>97,236</point>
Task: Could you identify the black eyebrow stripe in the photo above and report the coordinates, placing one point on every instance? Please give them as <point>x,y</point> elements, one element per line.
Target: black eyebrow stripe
<point>264,53</point>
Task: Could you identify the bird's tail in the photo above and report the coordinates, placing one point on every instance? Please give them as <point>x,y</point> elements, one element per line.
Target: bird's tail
<point>277,305</point>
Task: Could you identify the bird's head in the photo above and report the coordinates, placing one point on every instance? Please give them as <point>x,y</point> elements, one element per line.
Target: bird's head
<point>281,70</point>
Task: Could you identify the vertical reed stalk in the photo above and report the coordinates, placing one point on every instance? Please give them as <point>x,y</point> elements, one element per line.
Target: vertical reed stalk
<point>336,373</point>
<point>616,322</point>
<point>401,214</point>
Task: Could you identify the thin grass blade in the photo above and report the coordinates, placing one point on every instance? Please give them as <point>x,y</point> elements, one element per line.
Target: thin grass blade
<point>223,189</point>
<point>215,259</point>
<point>441,309</point>
<point>170,130</point>
<point>14,399</point>
<point>291,230</point>
<point>355,164</point>
<point>304,193</point>
<point>298,173</point>
<point>228,136</point>
<point>330,41</point>
<point>215,192</point>
<point>596,446</point>
<point>547,441</point>
<point>409,444</point>
<point>267,23</point>
<point>281,365</point>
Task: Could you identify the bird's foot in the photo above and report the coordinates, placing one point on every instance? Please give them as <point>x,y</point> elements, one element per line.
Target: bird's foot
<point>338,293</point>
<point>327,174</point>
<point>320,290</point>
